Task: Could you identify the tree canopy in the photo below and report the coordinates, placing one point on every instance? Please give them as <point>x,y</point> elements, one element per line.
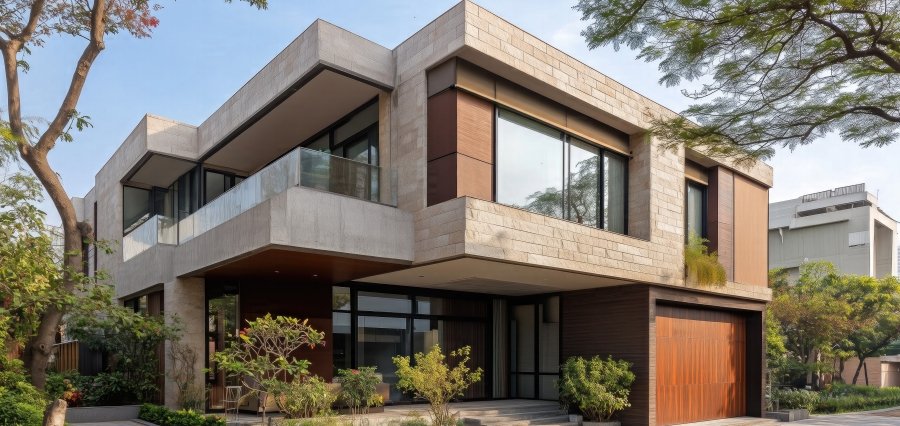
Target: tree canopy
<point>772,73</point>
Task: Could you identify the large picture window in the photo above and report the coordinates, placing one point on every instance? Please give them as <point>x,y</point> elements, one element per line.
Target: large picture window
<point>547,171</point>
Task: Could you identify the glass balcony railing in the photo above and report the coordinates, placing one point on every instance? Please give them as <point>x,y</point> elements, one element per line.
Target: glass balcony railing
<point>156,230</point>
<point>300,167</point>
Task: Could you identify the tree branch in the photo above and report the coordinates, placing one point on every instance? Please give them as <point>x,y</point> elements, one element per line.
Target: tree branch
<point>56,127</point>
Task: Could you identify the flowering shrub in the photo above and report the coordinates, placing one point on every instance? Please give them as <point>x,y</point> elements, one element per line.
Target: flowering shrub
<point>433,380</point>
<point>304,397</point>
<point>358,389</point>
<point>598,387</point>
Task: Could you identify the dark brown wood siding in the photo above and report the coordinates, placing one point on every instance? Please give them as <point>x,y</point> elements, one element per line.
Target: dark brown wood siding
<point>460,146</point>
<point>612,321</point>
<point>701,366</point>
<point>720,216</point>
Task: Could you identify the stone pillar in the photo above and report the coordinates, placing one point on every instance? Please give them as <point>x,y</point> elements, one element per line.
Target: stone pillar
<point>185,302</point>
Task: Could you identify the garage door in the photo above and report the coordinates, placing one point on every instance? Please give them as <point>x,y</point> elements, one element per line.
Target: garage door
<point>700,365</point>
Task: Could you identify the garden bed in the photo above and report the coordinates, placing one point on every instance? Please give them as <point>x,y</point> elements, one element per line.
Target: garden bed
<point>102,414</point>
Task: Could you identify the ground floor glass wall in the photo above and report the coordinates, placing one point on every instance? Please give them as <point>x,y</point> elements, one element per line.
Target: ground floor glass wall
<point>370,328</point>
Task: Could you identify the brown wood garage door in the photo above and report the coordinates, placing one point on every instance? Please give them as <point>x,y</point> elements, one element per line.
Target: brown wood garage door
<point>700,365</point>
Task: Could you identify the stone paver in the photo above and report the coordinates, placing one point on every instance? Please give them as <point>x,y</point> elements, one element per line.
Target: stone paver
<point>890,417</point>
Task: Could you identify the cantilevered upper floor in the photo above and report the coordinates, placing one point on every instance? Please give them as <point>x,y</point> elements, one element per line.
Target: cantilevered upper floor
<point>471,156</point>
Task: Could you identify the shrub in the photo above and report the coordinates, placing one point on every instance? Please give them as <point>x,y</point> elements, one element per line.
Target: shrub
<point>20,402</point>
<point>789,399</point>
<point>598,387</point>
<point>358,389</point>
<point>304,397</point>
<point>433,380</point>
<point>163,416</point>
<point>263,354</point>
<point>842,398</point>
<point>703,268</point>
<point>68,386</point>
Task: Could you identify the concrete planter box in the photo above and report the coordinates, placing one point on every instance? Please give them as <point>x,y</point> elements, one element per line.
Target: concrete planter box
<point>612,423</point>
<point>788,415</point>
<point>102,414</point>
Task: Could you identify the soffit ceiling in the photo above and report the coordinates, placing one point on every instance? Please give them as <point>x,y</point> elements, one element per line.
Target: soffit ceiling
<point>160,170</point>
<point>317,104</point>
<point>485,276</point>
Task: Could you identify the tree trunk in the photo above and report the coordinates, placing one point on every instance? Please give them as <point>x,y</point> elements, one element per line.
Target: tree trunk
<point>840,373</point>
<point>862,363</point>
<point>56,413</point>
<point>866,372</point>
<point>40,347</point>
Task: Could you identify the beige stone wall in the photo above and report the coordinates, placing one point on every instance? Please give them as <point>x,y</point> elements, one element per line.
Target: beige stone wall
<point>185,302</point>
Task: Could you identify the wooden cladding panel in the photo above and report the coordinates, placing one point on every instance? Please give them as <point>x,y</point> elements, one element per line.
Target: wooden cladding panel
<point>751,217</point>
<point>720,216</point>
<point>612,321</point>
<point>66,356</point>
<point>700,365</point>
<point>310,301</point>
<point>460,147</point>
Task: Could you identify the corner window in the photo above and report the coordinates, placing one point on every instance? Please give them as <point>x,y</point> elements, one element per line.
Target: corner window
<point>695,208</point>
<point>137,207</point>
<point>546,171</point>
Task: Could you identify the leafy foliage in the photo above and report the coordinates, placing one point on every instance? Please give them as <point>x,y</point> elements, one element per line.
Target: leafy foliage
<point>703,268</point>
<point>433,380</point>
<point>842,398</point>
<point>263,354</point>
<point>774,73</point>
<point>304,397</point>
<point>358,389</point>
<point>131,339</point>
<point>789,399</point>
<point>598,387</point>
<point>20,402</point>
<point>163,416</point>
<point>29,265</point>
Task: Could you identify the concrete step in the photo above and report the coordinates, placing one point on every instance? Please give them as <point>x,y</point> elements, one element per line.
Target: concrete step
<point>510,411</point>
<point>496,409</point>
<point>513,417</point>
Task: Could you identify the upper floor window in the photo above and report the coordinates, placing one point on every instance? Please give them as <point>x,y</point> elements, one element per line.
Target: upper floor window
<point>547,171</point>
<point>695,208</point>
<point>354,137</point>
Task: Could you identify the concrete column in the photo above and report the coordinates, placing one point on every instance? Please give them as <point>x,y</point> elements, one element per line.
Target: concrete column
<point>185,302</point>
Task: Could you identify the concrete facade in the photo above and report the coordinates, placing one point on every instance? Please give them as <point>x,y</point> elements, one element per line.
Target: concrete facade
<point>465,244</point>
<point>843,226</point>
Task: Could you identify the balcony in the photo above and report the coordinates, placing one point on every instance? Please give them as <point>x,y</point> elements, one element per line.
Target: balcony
<point>300,167</point>
<point>155,230</point>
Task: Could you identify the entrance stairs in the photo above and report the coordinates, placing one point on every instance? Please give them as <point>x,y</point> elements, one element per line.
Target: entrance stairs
<point>516,412</point>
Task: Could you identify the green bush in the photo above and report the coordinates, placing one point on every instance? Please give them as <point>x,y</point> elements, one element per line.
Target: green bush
<point>358,389</point>
<point>789,399</point>
<point>703,268</point>
<point>431,378</point>
<point>20,402</point>
<point>68,386</point>
<point>304,397</point>
<point>843,398</point>
<point>163,416</point>
<point>598,387</point>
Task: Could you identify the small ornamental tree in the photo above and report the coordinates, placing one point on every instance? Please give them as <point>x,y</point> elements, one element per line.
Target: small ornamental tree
<point>358,389</point>
<point>263,354</point>
<point>598,387</point>
<point>433,380</point>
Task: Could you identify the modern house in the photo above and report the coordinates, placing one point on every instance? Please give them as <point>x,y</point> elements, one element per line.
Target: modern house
<point>843,226</point>
<point>472,186</point>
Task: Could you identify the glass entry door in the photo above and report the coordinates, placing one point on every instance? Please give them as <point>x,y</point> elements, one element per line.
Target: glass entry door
<point>534,349</point>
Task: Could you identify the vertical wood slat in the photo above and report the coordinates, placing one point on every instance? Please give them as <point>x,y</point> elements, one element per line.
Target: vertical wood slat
<point>66,356</point>
<point>700,366</point>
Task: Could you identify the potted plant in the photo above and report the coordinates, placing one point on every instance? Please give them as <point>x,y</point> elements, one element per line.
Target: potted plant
<point>598,388</point>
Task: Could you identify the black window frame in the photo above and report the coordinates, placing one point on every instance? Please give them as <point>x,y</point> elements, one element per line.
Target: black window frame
<point>566,139</point>
<point>371,132</point>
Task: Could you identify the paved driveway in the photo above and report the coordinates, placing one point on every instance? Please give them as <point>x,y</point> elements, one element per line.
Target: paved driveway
<point>890,417</point>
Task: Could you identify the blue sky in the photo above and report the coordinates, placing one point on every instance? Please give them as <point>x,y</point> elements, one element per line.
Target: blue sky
<point>203,51</point>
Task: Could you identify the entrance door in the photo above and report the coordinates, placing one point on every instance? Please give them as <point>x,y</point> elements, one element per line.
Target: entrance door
<point>700,365</point>
<point>534,349</point>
